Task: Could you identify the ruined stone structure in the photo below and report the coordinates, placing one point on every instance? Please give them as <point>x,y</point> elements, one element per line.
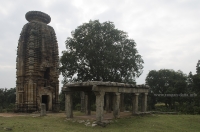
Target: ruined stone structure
<point>107,89</point>
<point>37,65</point>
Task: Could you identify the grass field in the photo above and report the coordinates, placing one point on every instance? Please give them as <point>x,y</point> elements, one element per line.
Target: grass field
<point>150,123</point>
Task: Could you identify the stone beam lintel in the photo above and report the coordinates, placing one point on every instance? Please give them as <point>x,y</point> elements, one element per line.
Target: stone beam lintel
<point>107,84</point>
<point>66,89</point>
<point>119,89</point>
<point>105,87</point>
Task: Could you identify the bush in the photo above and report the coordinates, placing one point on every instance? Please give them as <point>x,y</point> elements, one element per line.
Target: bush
<point>196,110</point>
<point>185,108</point>
<point>11,107</point>
<point>1,109</point>
<point>78,107</point>
<point>93,107</point>
<point>128,107</point>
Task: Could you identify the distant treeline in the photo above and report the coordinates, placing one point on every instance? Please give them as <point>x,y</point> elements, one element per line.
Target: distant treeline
<point>184,88</point>
<point>7,99</point>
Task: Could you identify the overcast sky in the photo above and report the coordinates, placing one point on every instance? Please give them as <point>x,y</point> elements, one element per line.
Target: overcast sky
<point>167,32</point>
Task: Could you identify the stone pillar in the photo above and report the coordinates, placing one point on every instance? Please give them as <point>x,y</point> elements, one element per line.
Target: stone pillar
<point>30,95</point>
<point>43,110</point>
<point>108,103</point>
<point>82,94</point>
<point>144,102</point>
<point>30,92</point>
<point>116,101</point>
<point>56,107</point>
<point>135,103</point>
<point>25,95</point>
<point>122,102</point>
<point>17,98</point>
<point>68,105</point>
<point>87,103</point>
<point>34,96</point>
<point>99,105</point>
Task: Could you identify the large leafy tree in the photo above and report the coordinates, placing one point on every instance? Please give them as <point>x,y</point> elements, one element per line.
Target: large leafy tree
<point>190,83</point>
<point>196,85</point>
<point>198,67</point>
<point>196,79</point>
<point>166,81</point>
<point>100,52</point>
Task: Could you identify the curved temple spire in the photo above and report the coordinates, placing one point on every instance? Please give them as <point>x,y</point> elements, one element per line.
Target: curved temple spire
<point>37,64</point>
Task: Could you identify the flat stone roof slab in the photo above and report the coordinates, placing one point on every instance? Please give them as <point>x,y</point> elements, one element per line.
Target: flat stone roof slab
<point>106,87</point>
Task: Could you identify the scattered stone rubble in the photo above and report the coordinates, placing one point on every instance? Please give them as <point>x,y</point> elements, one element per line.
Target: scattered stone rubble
<point>90,123</point>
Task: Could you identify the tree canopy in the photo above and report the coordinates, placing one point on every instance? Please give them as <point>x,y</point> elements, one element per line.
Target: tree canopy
<point>100,52</point>
<point>7,98</point>
<point>196,79</point>
<point>167,81</point>
<point>198,67</point>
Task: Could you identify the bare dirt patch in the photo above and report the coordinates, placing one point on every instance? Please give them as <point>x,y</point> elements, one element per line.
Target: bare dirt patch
<point>107,116</point>
<point>12,114</point>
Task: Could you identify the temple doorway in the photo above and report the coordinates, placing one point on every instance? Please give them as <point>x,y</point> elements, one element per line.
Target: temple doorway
<point>45,99</point>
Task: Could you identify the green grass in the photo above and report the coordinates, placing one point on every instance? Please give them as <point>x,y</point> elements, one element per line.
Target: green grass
<point>150,123</point>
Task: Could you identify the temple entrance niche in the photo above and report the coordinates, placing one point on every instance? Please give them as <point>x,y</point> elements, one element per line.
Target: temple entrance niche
<point>45,100</point>
<point>47,73</point>
<point>46,97</point>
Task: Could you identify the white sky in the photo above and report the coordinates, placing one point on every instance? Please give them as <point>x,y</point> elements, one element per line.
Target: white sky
<point>167,32</point>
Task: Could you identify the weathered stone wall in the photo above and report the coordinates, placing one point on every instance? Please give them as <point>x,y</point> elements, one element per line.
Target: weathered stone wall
<point>37,63</point>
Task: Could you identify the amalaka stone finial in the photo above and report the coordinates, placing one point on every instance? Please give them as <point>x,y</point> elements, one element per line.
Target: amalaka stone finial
<point>38,16</point>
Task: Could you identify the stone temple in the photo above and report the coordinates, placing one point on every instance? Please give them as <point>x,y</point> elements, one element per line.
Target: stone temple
<point>37,65</point>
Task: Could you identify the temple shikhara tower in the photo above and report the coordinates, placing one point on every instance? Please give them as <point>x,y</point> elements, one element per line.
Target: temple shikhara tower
<point>37,65</point>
